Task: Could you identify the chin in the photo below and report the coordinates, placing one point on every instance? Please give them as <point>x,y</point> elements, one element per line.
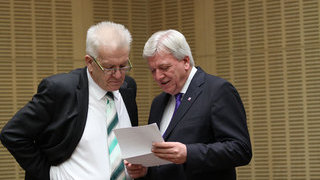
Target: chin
<point>114,88</point>
<point>168,91</point>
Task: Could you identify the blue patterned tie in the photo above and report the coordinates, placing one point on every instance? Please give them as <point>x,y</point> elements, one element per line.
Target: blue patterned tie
<point>178,101</point>
<point>116,163</point>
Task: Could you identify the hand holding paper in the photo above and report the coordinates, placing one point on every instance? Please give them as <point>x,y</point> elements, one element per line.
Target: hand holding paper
<point>136,143</point>
<point>175,152</point>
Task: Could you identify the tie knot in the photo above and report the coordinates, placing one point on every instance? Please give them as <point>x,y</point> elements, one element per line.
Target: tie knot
<point>110,94</point>
<point>178,96</point>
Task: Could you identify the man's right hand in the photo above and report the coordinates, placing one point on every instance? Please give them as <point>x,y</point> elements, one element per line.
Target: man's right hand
<point>135,170</point>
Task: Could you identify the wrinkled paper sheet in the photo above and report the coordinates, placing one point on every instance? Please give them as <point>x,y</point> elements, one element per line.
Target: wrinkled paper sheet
<point>136,143</point>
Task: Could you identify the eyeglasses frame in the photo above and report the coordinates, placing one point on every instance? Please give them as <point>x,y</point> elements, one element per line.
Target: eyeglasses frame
<point>111,70</point>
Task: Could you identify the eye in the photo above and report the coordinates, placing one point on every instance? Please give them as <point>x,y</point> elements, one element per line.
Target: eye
<point>153,71</point>
<point>164,68</point>
<point>108,66</point>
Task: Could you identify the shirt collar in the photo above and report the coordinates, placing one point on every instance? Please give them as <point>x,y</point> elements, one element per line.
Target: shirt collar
<point>96,91</point>
<point>187,83</point>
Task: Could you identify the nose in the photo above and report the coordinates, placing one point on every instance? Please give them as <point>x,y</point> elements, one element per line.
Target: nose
<point>158,75</point>
<point>117,74</point>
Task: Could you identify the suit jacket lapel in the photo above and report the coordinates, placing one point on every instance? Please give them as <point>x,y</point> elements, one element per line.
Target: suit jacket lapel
<point>82,102</point>
<point>128,98</point>
<point>158,109</point>
<point>126,93</point>
<point>194,90</point>
<point>83,95</point>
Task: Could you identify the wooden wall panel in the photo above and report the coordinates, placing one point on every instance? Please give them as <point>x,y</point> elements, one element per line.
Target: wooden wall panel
<point>139,27</point>
<point>36,41</point>
<point>268,49</point>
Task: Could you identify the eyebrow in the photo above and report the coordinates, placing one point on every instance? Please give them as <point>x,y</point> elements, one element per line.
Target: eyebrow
<point>164,65</point>
<point>167,64</point>
<point>112,65</point>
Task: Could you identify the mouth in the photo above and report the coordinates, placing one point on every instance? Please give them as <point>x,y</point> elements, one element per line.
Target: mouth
<point>116,82</point>
<point>164,83</point>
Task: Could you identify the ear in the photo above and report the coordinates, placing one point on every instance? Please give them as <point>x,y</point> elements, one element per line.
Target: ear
<point>186,61</point>
<point>89,61</point>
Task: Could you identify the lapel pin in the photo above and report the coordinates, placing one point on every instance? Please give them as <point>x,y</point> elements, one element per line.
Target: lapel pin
<point>189,98</point>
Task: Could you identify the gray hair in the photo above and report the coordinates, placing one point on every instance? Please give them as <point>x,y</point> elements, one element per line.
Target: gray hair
<point>168,41</point>
<point>107,34</point>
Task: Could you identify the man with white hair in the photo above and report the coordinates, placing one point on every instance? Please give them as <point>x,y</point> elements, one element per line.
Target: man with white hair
<point>65,131</point>
<point>201,117</point>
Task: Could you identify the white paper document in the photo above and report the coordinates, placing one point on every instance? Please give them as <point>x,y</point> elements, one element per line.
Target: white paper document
<point>136,143</point>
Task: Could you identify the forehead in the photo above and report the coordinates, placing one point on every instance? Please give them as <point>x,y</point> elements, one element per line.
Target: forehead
<point>113,55</point>
<point>162,59</point>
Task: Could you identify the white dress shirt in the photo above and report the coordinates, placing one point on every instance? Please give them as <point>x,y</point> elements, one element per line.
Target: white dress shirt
<point>168,111</point>
<point>90,159</point>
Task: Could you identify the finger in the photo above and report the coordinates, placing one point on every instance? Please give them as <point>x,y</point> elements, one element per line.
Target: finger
<point>160,151</point>
<point>165,156</point>
<point>126,163</point>
<point>174,159</point>
<point>139,173</point>
<point>135,172</point>
<point>134,166</point>
<point>167,150</point>
<point>168,158</point>
<point>163,145</point>
<point>136,175</point>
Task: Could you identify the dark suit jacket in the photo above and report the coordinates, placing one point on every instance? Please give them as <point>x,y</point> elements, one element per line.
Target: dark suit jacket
<point>46,130</point>
<point>211,121</point>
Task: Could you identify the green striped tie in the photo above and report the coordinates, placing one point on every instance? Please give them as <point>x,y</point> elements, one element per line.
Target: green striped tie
<point>116,163</point>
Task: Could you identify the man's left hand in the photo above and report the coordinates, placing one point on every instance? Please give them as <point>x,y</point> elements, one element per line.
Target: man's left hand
<point>172,151</point>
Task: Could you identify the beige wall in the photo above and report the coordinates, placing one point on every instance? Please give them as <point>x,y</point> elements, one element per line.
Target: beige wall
<point>269,49</point>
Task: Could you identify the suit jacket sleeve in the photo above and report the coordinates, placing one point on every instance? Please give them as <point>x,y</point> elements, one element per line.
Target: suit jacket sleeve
<point>20,133</point>
<point>230,146</point>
